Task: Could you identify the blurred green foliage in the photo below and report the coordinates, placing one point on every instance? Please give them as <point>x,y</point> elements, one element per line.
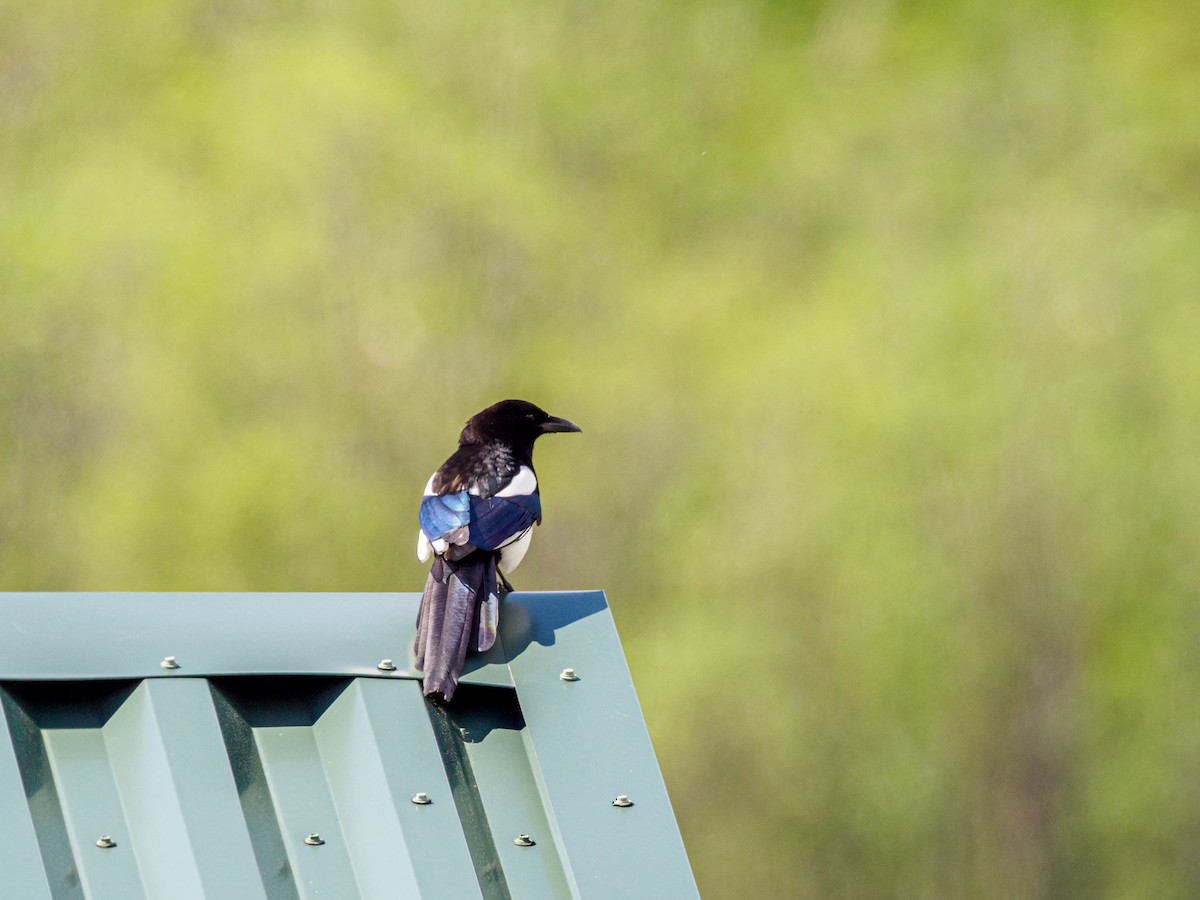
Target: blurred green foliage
<point>881,320</point>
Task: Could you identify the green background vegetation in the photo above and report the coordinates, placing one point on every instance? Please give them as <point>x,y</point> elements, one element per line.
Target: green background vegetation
<point>881,320</point>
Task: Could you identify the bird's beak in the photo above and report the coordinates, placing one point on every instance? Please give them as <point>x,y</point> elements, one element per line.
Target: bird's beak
<point>553,424</point>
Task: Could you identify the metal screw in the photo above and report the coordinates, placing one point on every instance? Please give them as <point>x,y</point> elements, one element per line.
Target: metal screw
<point>314,840</point>
<point>169,662</point>
<point>106,842</point>
<point>421,799</point>
<point>524,840</point>
<point>622,801</point>
<point>569,675</point>
<point>386,665</point>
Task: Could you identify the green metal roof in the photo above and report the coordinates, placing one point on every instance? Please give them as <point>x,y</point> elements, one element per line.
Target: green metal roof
<point>250,746</point>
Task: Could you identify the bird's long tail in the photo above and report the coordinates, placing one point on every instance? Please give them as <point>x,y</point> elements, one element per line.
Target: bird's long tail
<point>458,612</point>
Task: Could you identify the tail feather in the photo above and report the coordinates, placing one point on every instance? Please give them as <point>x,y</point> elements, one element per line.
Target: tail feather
<point>433,607</point>
<point>458,612</point>
<point>488,615</point>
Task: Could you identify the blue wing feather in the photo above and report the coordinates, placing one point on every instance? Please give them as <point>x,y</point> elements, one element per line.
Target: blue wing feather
<point>497,520</point>
<point>443,513</point>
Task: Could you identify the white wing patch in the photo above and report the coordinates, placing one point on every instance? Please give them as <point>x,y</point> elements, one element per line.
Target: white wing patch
<point>424,548</point>
<point>523,484</point>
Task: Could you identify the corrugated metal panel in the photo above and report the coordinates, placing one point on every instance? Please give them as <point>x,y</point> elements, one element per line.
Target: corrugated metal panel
<point>279,761</point>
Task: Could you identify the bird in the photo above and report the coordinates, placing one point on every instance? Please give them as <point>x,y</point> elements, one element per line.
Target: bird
<point>477,516</point>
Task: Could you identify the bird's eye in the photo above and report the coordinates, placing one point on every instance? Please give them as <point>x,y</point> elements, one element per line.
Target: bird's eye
<point>529,416</point>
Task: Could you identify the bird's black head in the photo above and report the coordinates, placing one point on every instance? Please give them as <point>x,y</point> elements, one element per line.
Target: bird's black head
<point>517,423</point>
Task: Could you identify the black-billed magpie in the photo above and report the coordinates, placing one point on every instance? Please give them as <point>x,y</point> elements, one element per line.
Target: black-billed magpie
<point>478,511</point>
